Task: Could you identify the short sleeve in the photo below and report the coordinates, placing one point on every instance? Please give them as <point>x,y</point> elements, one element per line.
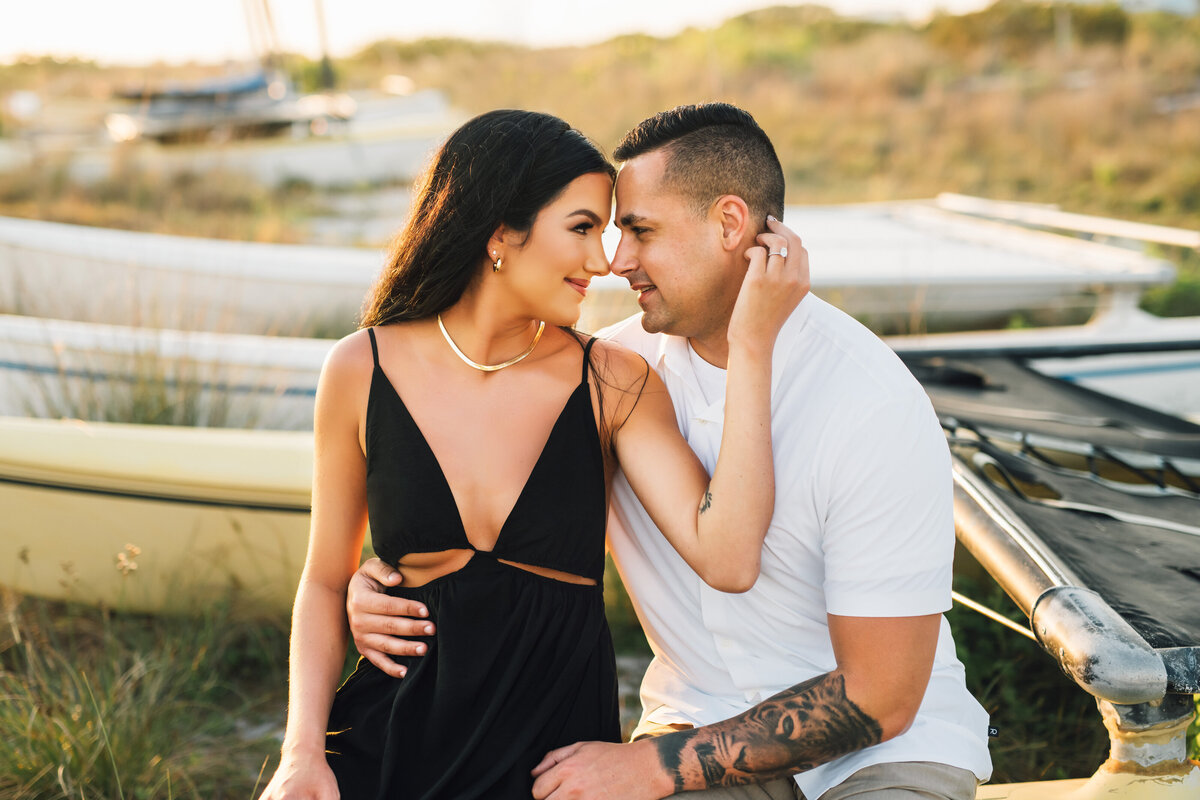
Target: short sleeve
<point>888,532</point>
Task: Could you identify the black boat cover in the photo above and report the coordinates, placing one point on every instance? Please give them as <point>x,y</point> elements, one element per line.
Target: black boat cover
<point>1112,488</point>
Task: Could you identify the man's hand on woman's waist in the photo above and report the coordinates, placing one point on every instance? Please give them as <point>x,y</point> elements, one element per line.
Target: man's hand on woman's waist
<point>380,623</point>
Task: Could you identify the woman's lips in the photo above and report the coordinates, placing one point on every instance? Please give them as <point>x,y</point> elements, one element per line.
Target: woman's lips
<point>578,285</point>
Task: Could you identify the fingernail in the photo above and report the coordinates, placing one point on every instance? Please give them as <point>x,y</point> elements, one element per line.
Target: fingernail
<point>403,671</point>
<point>428,629</point>
<point>424,612</point>
<point>772,218</point>
<point>420,649</point>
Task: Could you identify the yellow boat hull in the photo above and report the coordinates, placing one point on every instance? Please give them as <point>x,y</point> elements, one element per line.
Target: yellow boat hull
<point>153,518</point>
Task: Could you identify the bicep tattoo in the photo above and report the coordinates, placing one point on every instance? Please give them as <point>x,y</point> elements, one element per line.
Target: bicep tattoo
<point>810,724</point>
<point>706,501</point>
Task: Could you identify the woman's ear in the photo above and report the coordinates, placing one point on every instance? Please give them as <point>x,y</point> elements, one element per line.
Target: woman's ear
<point>496,244</point>
<point>732,215</point>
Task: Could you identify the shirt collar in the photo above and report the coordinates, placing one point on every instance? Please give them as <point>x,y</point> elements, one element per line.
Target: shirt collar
<point>674,358</point>
<point>671,353</point>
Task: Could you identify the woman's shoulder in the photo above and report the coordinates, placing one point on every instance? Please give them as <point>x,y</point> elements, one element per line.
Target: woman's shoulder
<point>357,351</point>
<point>620,372</point>
<point>350,355</point>
<point>617,361</point>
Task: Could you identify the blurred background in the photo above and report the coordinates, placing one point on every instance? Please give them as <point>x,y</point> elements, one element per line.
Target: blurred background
<point>244,126</point>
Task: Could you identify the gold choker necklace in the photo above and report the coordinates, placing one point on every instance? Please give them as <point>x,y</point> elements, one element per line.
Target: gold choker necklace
<point>490,367</point>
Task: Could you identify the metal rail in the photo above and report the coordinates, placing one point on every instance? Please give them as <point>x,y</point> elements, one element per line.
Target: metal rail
<point>1049,217</point>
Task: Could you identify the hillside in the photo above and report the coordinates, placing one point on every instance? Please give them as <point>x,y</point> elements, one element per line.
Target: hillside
<point>1100,113</point>
<point>996,103</point>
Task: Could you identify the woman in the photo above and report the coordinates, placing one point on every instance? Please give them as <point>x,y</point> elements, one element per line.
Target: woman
<point>478,433</point>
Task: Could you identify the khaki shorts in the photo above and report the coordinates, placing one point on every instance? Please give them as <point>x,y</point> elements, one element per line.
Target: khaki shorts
<point>907,780</point>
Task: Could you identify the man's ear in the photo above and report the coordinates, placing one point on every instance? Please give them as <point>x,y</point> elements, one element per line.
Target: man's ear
<point>732,215</point>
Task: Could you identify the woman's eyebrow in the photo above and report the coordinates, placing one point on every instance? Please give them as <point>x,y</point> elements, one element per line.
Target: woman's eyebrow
<point>592,215</point>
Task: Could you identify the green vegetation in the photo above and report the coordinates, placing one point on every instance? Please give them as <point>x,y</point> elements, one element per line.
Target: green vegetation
<point>1182,298</point>
<point>1194,734</point>
<point>119,705</point>
<point>1049,728</point>
<point>108,704</point>
<point>101,704</point>
<point>622,619</point>
<point>1013,102</point>
<point>999,103</point>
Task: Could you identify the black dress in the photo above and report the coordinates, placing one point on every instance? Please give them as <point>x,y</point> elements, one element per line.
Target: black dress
<point>520,664</point>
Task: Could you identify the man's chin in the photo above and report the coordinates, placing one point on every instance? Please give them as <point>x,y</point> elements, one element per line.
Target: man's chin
<point>652,323</point>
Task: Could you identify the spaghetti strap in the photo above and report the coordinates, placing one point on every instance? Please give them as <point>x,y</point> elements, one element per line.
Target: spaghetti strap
<point>587,357</point>
<point>374,347</point>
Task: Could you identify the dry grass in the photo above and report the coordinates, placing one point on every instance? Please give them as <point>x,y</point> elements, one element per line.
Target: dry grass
<point>106,705</point>
<point>210,205</point>
<point>873,112</point>
<point>147,388</point>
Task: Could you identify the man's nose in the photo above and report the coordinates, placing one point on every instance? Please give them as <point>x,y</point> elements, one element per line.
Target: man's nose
<point>623,261</point>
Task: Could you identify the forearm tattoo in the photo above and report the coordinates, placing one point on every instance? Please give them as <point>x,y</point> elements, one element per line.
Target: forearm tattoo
<point>798,729</point>
<point>705,501</point>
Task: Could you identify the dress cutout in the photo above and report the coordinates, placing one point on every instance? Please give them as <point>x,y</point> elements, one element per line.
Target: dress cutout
<point>520,663</point>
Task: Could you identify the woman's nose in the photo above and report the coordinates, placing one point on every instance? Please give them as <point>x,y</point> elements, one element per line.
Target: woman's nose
<point>598,264</point>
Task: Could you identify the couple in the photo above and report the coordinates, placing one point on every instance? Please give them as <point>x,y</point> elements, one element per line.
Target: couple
<point>836,665</point>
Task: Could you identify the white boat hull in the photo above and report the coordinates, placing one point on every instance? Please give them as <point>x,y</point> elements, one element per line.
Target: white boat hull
<point>57,368</point>
<point>902,265</point>
<point>156,281</point>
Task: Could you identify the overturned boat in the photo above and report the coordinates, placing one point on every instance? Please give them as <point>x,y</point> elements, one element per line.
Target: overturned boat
<point>898,266</point>
<point>153,517</point>
<point>63,368</point>
<point>1085,508</point>
<point>53,368</point>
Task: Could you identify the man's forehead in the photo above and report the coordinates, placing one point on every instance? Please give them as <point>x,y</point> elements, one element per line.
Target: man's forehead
<point>639,191</point>
<point>642,174</point>
<point>632,205</point>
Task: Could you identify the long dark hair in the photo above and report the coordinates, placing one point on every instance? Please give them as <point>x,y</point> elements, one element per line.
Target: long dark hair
<point>500,167</point>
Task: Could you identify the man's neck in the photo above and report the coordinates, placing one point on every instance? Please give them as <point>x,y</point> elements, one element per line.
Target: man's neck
<point>713,348</point>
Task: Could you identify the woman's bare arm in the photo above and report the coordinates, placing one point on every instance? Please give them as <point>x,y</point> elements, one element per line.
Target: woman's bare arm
<point>339,518</point>
<point>718,525</point>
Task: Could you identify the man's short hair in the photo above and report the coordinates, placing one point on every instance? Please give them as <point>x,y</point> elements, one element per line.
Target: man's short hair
<point>713,149</point>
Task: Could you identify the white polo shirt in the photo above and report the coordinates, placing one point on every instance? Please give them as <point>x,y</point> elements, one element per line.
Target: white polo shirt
<point>863,526</point>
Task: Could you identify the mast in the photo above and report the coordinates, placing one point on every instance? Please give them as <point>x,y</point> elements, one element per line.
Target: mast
<point>328,79</point>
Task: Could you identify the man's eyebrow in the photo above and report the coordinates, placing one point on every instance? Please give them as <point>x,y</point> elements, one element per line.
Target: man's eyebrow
<point>592,215</point>
<point>631,219</point>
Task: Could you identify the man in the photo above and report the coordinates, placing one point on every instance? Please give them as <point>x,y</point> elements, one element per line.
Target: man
<point>837,667</point>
